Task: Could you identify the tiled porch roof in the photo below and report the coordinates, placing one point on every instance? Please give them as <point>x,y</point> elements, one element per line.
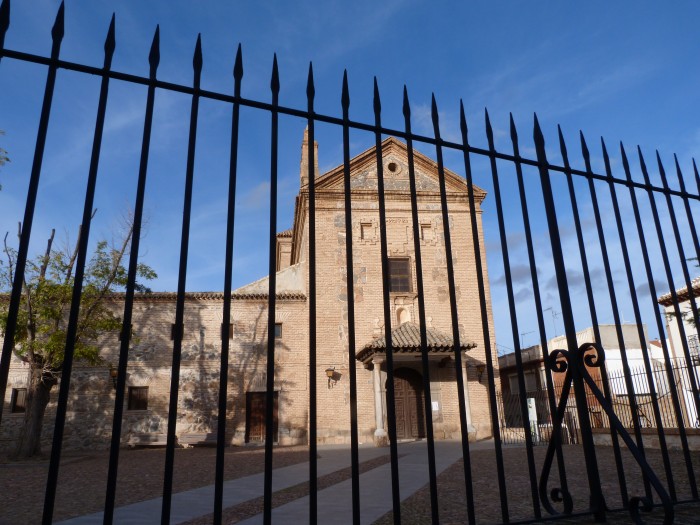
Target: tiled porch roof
<point>406,339</point>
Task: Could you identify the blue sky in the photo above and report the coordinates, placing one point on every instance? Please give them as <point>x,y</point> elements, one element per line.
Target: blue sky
<point>624,71</point>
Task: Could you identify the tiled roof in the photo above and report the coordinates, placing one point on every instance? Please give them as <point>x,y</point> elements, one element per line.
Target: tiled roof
<point>406,338</point>
<point>285,233</point>
<point>682,293</point>
<point>208,296</point>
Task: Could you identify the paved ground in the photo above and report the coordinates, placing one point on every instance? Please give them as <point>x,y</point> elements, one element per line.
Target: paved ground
<point>82,482</point>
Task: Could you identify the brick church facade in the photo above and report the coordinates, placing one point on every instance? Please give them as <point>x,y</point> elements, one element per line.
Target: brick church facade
<point>91,402</point>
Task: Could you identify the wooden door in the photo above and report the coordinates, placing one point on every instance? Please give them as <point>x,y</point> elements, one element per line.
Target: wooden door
<point>408,394</point>
<point>255,417</point>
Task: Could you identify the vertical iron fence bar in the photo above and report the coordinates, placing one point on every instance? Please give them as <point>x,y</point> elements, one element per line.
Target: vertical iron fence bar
<point>464,426</point>
<point>83,237</point>
<point>181,288</point>
<point>228,277</point>
<point>592,310</point>
<point>615,309</point>
<point>638,321</point>
<point>669,277</point>
<point>536,293</point>
<point>390,398</point>
<point>484,317</point>
<point>313,413</point>
<point>350,290</point>
<point>679,244</point>
<point>522,394</point>
<point>4,24</point>
<point>153,61</point>
<point>271,295</point>
<point>697,176</point>
<point>32,190</point>
<point>688,213</point>
<point>597,500</point>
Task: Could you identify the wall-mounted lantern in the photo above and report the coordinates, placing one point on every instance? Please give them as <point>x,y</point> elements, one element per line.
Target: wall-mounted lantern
<point>480,371</point>
<point>333,377</point>
<point>113,374</point>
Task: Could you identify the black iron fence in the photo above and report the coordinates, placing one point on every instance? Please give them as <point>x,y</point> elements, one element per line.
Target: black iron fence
<point>555,205</point>
<point>644,402</point>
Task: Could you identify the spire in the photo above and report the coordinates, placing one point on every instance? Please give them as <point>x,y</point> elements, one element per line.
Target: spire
<point>304,167</point>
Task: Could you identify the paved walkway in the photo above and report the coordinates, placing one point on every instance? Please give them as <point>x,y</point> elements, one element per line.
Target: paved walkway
<point>334,502</point>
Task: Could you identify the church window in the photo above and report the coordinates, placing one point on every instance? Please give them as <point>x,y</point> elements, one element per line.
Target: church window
<point>18,401</point>
<point>424,232</point>
<point>138,398</point>
<point>278,330</point>
<point>399,275</point>
<point>366,231</point>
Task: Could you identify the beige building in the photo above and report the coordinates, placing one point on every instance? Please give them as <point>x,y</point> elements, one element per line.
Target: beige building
<point>92,400</point>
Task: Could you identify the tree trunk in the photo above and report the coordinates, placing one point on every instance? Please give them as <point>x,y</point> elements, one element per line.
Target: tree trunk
<point>38,395</point>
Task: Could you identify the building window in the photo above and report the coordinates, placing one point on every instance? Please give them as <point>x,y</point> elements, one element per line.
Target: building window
<point>366,231</point>
<point>18,400</point>
<point>530,382</point>
<point>399,275</point>
<point>138,398</point>
<point>278,330</point>
<point>424,232</point>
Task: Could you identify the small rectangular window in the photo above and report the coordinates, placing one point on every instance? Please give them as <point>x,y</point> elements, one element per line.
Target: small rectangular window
<point>138,398</point>
<point>278,330</point>
<point>424,232</point>
<point>18,400</point>
<point>399,275</point>
<point>366,230</point>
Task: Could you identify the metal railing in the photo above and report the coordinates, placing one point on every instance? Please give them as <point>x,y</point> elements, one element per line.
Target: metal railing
<point>648,226</point>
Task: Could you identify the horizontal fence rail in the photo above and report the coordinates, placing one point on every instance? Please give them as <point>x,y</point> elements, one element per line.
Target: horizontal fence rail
<point>395,316</point>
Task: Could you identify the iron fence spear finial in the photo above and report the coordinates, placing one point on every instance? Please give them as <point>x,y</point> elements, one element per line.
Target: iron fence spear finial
<point>58,29</point>
<point>310,89</point>
<point>345,96</point>
<point>275,80</point>
<point>197,60</point>
<point>584,151</point>
<point>238,66</point>
<point>435,117</point>
<point>513,129</point>
<point>463,122</point>
<point>562,147</point>
<point>376,100</point>
<point>539,139</point>
<point>697,176</point>
<point>606,158</point>
<point>406,105</point>
<point>643,166</point>
<point>662,171</point>
<point>679,172</point>
<point>154,54</point>
<point>625,163</point>
<point>110,43</point>
<point>489,128</point>
<point>4,22</point>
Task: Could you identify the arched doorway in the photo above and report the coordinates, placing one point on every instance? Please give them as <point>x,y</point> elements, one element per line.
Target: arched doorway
<point>410,413</point>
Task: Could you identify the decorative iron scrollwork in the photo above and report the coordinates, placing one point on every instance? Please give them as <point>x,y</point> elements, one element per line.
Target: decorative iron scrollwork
<point>592,355</point>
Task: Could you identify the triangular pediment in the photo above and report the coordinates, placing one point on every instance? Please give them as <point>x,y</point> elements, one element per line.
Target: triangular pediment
<point>363,173</point>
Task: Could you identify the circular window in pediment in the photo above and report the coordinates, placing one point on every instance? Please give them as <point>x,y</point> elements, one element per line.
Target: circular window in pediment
<point>393,167</point>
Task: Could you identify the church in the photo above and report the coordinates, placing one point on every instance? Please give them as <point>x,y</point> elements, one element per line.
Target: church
<point>92,396</point>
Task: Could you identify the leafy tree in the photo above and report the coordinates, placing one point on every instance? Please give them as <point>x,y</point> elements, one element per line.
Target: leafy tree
<point>43,317</point>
